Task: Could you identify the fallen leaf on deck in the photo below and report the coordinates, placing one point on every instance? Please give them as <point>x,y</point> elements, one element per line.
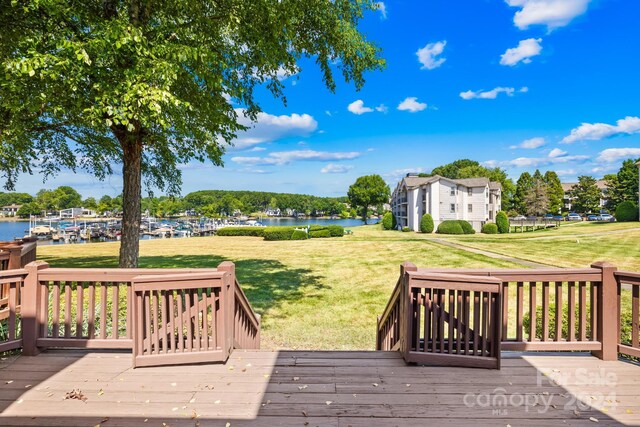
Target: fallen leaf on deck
<point>100,392</point>
<point>408,385</point>
<point>594,419</point>
<point>173,409</point>
<point>328,402</point>
<point>227,425</point>
<point>304,413</point>
<point>75,394</point>
<point>375,384</point>
<point>267,375</point>
<point>296,378</point>
<point>173,384</point>
<point>302,387</point>
<point>28,386</point>
<point>192,400</point>
<point>231,368</point>
<point>194,415</point>
<point>629,411</point>
<point>217,402</point>
<point>8,382</point>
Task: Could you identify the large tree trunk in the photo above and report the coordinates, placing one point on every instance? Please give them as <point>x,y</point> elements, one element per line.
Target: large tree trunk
<point>131,202</point>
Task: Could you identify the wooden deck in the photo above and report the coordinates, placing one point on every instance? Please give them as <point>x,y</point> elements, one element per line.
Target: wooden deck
<point>296,388</point>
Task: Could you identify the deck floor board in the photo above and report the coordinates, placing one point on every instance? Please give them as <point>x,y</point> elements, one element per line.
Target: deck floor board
<point>290,388</point>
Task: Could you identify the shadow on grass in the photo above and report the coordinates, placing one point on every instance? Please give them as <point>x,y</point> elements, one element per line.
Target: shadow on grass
<point>267,283</point>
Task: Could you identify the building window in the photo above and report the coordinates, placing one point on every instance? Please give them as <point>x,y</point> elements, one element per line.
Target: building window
<point>453,191</point>
<point>470,191</point>
<point>487,208</point>
<point>490,214</point>
<point>470,208</point>
<point>486,192</point>
<point>452,207</point>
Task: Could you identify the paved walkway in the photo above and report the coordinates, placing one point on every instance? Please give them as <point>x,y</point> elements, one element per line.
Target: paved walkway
<point>524,263</point>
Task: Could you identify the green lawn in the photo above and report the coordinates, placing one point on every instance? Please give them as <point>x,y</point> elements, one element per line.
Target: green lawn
<point>326,293</point>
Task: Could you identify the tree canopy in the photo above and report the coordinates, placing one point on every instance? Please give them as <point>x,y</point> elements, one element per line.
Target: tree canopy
<point>622,186</point>
<point>586,195</point>
<point>367,191</point>
<point>150,85</point>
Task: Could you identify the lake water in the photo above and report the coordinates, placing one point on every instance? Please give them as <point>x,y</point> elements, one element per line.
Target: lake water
<point>12,229</point>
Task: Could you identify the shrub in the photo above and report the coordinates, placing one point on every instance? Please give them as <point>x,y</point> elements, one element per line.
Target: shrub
<point>466,227</point>
<point>502,222</point>
<point>526,321</point>
<point>426,223</point>
<point>387,221</point>
<point>299,235</point>
<point>627,211</point>
<point>490,228</point>
<point>319,234</point>
<point>336,230</point>
<point>405,229</point>
<point>450,227</point>
<point>241,231</point>
<point>278,233</point>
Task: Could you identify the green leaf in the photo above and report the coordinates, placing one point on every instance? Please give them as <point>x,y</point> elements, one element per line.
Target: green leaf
<point>32,73</point>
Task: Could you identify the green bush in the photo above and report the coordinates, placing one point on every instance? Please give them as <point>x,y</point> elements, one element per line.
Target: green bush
<point>241,231</point>
<point>526,321</point>
<point>387,221</point>
<point>466,227</point>
<point>405,229</point>
<point>490,228</point>
<point>426,223</point>
<point>299,235</point>
<point>627,211</point>
<point>334,230</point>
<point>502,221</point>
<point>319,234</point>
<point>450,227</point>
<point>278,233</point>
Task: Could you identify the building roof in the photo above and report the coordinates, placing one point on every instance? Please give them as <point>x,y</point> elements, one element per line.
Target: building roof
<point>12,207</point>
<point>601,184</point>
<point>473,182</point>
<point>417,181</point>
<point>495,185</point>
<point>413,181</point>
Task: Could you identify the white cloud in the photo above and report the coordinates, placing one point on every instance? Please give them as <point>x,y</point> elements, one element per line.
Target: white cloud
<point>278,158</point>
<point>552,13</point>
<point>254,149</point>
<point>556,152</point>
<point>335,168</point>
<point>412,105</point>
<point>382,8</point>
<point>357,107</point>
<point>526,49</point>
<point>596,131</point>
<point>566,172</point>
<point>530,143</point>
<point>490,94</point>
<point>328,113</point>
<point>382,108</point>
<point>614,154</point>
<point>524,89</point>
<point>398,174</point>
<point>269,127</point>
<point>427,55</point>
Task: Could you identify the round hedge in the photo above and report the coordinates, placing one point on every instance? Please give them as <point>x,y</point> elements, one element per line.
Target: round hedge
<point>299,235</point>
<point>466,227</point>
<point>406,229</point>
<point>450,227</point>
<point>319,234</point>
<point>387,221</point>
<point>502,222</point>
<point>627,211</point>
<point>490,228</point>
<point>426,223</point>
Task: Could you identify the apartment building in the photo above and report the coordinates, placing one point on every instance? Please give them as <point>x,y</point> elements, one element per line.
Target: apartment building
<point>476,200</point>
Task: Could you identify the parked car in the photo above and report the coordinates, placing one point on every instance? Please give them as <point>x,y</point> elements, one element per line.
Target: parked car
<point>574,217</point>
<point>594,217</point>
<point>607,217</point>
<point>558,218</point>
<point>548,216</point>
<point>519,218</point>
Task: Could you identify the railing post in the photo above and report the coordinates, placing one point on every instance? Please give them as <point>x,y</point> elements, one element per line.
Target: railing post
<point>406,314</point>
<point>607,311</point>
<point>228,294</point>
<point>30,308</point>
<point>15,257</point>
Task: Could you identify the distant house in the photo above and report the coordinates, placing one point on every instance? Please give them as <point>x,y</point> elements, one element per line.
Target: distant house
<point>76,212</point>
<point>476,200</point>
<point>272,211</point>
<point>568,199</point>
<point>10,210</point>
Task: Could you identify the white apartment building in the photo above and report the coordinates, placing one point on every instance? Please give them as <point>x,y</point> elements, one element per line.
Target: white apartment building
<point>476,200</point>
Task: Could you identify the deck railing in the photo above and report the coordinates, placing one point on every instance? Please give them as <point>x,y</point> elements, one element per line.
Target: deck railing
<point>541,310</point>
<point>93,308</point>
<point>629,319</point>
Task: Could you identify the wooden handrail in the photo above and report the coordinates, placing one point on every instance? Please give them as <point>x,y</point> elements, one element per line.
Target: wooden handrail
<point>241,297</point>
<point>395,294</point>
<point>629,346</point>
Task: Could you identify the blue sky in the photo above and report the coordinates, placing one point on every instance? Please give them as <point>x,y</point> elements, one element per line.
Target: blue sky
<point>520,84</point>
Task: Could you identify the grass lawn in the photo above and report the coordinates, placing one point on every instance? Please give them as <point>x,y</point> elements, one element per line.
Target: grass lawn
<point>312,294</point>
<point>326,293</point>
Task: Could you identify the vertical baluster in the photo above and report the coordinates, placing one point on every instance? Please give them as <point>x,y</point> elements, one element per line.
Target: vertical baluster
<point>635,318</point>
<point>188,319</point>
<point>442,309</point>
<point>13,302</point>
<point>476,322</point>
<point>452,311</point>
<point>205,318</point>
<point>427,318</point>
<point>155,315</point>
<point>103,310</point>
<point>56,310</point>
<point>79,308</point>
<point>594,310</point>
<point>180,307</point>
<point>44,310</point>
<point>195,316</point>
<point>532,311</point>
<point>129,311</point>
<point>485,322</point>
<point>67,310</point>
<point>459,316</point>
<point>417,307</point>
<point>164,319</point>
<point>172,323</point>
<point>140,309</point>
<point>519,310</point>
<point>545,311</point>
<point>559,311</point>
<point>582,308</point>
<point>466,310</point>
<point>505,311</point>
<point>571,311</point>
<point>147,322</point>
<point>436,320</point>
<point>115,303</point>
<point>91,322</point>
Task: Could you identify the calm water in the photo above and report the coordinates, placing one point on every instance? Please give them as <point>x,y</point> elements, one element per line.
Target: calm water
<point>10,229</point>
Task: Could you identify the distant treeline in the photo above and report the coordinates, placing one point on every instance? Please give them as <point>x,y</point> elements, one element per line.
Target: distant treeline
<point>212,203</point>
